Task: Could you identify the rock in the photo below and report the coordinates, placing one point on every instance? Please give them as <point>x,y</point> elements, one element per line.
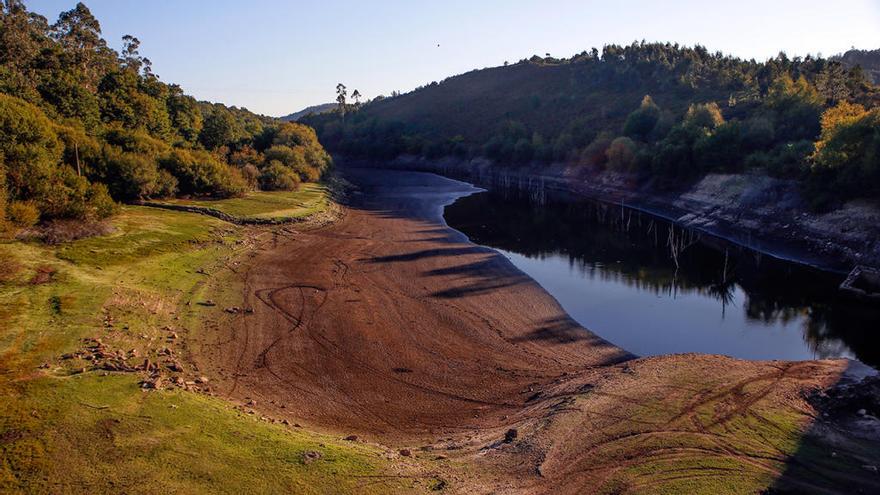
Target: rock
<point>251,403</point>
<point>310,456</point>
<point>862,412</point>
<point>871,468</point>
<point>207,303</point>
<point>173,336</point>
<point>405,452</point>
<point>201,380</point>
<point>154,383</point>
<point>285,422</point>
<point>351,438</point>
<point>511,435</point>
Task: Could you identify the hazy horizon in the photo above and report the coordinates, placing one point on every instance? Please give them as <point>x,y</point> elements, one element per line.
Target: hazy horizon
<point>276,58</point>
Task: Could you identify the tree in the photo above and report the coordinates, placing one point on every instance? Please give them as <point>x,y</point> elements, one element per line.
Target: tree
<point>276,177</point>
<point>704,115</point>
<point>130,57</point>
<point>29,147</point>
<point>356,96</point>
<point>621,154</point>
<point>341,93</point>
<point>219,129</point>
<point>641,122</point>
<point>183,110</point>
<point>79,34</point>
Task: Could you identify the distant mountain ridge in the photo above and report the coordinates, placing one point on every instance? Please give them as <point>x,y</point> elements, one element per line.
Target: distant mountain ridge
<point>315,109</point>
<point>868,60</point>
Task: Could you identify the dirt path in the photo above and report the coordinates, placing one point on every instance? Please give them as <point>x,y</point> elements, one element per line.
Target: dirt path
<point>391,326</point>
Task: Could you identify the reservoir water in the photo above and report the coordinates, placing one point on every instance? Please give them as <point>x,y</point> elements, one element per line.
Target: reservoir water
<point>654,288</point>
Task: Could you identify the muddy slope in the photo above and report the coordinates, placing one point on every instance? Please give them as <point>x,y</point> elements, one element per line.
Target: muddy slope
<point>391,326</point>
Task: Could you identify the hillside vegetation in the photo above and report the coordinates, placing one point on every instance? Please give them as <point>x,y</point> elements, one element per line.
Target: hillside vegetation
<point>314,109</point>
<point>660,111</point>
<point>83,127</point>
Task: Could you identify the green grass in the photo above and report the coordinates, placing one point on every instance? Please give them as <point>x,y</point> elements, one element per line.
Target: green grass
<point>308,200</point>
<point>67,431</point>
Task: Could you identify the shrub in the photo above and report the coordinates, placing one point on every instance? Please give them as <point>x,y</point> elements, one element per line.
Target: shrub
<point>251,175</point>
<point>100,204</point>
<point>23,213</point>
<point>641,122</point>
<point>704,115</point>
<point>129,175</point>
<point>595,152</point>
<point>30,148</point>
<point>621,154</point>
<point>719,150</point>
<point>847,155</point>
<point>201,173</point>
<point>784,160</point>
<point>277,177</point>
<point>284,154</point>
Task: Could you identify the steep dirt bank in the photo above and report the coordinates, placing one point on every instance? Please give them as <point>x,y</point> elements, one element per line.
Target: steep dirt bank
<point>390,326</point>
<point>760,212</point>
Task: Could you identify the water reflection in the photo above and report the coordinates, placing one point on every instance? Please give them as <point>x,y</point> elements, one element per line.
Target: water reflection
<point>653,288</point>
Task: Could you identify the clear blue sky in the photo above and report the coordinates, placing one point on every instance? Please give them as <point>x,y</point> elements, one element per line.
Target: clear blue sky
<point>276,57</point>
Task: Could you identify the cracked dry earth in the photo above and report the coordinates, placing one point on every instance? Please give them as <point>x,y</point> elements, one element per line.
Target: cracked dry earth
<point>391,326</point>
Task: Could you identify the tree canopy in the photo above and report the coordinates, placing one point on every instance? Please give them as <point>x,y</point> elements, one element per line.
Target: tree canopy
<point>83,126</point>
<point>684,111</point>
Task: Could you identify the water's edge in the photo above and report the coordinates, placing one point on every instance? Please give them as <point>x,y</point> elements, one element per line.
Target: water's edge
<point>782,233</point>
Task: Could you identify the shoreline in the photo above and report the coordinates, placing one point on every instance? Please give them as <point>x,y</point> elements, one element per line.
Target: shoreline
<point>390,326</point>
<point>794,236</point>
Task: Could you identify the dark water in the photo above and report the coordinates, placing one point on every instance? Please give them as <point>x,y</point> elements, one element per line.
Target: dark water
<point>653,288</point>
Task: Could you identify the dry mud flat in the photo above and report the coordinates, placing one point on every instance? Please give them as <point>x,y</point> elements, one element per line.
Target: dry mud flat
<point>390,326</point>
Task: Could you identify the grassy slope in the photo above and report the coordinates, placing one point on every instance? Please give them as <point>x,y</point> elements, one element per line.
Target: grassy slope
<point>309,199</point>
<point>65,430</point>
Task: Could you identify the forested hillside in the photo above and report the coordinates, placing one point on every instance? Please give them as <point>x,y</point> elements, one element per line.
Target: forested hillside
<point>316,109</point>
<point>83,127</point>
<point>655,110</point>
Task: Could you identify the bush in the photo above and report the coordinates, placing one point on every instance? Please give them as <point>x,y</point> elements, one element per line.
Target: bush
<point>201,173</point>
<point>277,177</point>
<point>101,205</point>
<point>595,153</point>
<point>130,175</point>
<point>704,115</point>
<point>641,122</point>
<point>30,148</point>
<point>251,175</point>
<point>784,160</point>
<point>720,150</point>
<point>621,155</point>
<point>23,213</point>
<point>847,156</point>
